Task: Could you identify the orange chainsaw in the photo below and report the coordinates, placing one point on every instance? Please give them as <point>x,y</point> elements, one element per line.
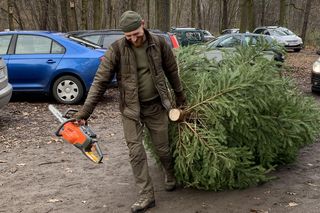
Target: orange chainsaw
<point>81,136</point>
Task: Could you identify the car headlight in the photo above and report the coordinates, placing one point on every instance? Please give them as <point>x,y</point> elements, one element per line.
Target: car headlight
<point>316,67</point>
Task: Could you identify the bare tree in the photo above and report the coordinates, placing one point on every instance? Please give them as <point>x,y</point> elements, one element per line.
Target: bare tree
<point>306,19</point>
<point>10,14</point>
<point>163,17</point>
<point>224,14</point>
<point>84,15</point>
<point>282,12</point>
<point>98,8</point>
<point>251,17</point>
<point>243,12</point>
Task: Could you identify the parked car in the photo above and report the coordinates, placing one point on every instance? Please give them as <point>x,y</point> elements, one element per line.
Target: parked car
<point>315,76</point>
<point>5,86</point>
<point>50,63</point>
<point>188,36</point>
<point>283,35</point>
<point>207,35</point>
<point>105,38</point>
<point>229,42</point>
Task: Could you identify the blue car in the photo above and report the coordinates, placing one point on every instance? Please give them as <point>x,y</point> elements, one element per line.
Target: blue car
<point>48,62</point>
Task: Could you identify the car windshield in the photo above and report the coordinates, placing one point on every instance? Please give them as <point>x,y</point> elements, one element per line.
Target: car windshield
<point>286,31</point>
<point>275,32</point>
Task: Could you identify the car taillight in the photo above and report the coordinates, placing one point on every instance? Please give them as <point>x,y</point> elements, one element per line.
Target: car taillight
<point>174,40</point>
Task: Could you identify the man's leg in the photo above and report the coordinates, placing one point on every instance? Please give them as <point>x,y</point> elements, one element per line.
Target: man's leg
<point>156,120</point>
<point>133,132</point>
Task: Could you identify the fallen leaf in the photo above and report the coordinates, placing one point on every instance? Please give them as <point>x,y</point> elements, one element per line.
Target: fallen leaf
<point>54,200</point>
<point>291,193</point>
<point>21,164</point>
<point>83,201</point>
<point>292,204</point>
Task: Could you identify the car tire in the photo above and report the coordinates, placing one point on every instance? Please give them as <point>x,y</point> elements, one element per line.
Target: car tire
<point>68,90</point>
<point>296,50</point>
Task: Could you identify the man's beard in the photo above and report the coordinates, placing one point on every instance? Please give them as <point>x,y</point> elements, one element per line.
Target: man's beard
<point>138,42</point>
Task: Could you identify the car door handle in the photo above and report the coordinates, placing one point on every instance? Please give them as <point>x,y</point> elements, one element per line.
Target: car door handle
<point>50,61</point>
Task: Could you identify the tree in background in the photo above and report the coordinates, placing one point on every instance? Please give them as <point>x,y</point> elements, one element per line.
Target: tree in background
<point>306,20</point>
<point>162,17</point>
<point>282,12</point>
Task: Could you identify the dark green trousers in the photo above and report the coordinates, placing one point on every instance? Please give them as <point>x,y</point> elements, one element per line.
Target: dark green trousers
<point>154,117</point>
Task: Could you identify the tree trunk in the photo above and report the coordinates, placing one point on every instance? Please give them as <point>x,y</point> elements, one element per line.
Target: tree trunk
<point>179,11</point>
<point>109,12</point>
<point>224,14</point>
<point>10,14</point>
<point>20,21</point>
<point>306,20</point>
<point>84,15</point>
<point>263,6</point>
<point>163,15</point>
<point>98,9</point>
<point>282,14</point>
<point>251,17</point>
<point>73,15</point>
<point>243,19</point>
<point>199,13</point>
<point>44,18</point>
<point>193,13</point>
<point>64,15</point>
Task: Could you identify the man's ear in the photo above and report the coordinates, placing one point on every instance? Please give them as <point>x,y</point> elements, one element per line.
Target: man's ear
<point>142,23</point>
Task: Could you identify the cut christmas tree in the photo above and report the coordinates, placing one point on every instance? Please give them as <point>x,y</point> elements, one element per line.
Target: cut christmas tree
<point>243,118</point>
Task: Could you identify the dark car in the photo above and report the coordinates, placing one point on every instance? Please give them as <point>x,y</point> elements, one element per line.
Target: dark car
<point>105,38</point>
<point>230,31</point>
<point>50,63</point>
<point>5,86</point>
<point>188,36</point>
<point>315,76</point>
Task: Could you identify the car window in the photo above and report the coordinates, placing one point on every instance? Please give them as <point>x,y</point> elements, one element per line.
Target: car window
<point>193,36</point>
<point>231,41</point>
<point>259,31</point>
<point>251,40</point>
<point>4,43</point>
<point>92,38</point>
<point>109,39</point>
<point>33,44</point>
<point>274,32</point>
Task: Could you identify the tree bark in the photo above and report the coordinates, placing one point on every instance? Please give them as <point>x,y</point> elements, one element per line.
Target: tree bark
<point>84,15</point>
<point>73,15</point>
<point>193,13</point>
<point>64,5</point>
<point>306,20</point>
<point>243,19</point>
<point>20,20</point>
<point>199,13</point>
<point>263,6</point>
<point>163,17</point>
<point>282,12</point>
<point>251,17</point>
<point>10,14</point>
<point>224,14</point>
<point>98,9</point>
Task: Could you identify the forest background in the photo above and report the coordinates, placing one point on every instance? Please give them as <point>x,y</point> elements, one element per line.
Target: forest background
<point>300,16</point>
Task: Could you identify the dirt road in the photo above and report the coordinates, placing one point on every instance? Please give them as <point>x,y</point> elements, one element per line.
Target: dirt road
<point>40,173</point>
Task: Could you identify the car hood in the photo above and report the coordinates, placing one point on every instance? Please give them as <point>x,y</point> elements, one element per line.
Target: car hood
<point>288,38</point>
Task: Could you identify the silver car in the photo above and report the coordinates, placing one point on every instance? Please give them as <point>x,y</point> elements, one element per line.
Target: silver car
<point>5,87</point>
<point>283,35</point>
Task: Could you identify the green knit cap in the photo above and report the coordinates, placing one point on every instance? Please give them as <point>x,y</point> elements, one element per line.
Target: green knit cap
<point>130,21</point>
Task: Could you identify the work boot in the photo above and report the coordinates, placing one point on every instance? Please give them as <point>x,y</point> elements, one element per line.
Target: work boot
<point>169,181</point>
<point>143,203</point>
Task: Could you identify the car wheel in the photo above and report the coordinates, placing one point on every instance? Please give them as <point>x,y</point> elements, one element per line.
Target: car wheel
<point>67,90</point>
<point>296,50</point>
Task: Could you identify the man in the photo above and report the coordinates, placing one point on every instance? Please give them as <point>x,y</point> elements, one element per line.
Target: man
<point>141,61</point>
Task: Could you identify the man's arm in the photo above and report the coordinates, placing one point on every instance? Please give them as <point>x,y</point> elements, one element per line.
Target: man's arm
<point>101,80</point>
<point>170,67</point>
